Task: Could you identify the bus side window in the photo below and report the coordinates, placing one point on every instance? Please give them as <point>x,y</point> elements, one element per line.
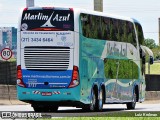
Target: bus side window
<point>143,61</point>
<point>140,33</point>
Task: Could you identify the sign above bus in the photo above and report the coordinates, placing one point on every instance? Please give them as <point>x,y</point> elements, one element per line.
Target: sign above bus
<point>47,20</point>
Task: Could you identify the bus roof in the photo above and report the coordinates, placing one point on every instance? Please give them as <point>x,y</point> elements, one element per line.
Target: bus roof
<point>109,15</point>
<point>79,10</point>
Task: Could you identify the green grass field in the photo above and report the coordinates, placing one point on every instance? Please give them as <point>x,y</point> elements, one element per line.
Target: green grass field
<point>154,69</point>
<point>108,118</point>
<point>118,116</point>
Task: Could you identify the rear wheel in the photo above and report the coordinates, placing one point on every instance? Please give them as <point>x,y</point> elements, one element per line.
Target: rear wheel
<point>132,105</point>
<point>100,100</point>
<point>94,101</point>
<point>93,106</point>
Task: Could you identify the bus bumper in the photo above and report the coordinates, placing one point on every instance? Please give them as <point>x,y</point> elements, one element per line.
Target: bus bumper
<point>50,95</point>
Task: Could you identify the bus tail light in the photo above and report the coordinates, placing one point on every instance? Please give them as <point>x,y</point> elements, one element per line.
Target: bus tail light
<point>25,9</point>
<point>75,77</point>
<point>71,9</point>
<point>19,77</point>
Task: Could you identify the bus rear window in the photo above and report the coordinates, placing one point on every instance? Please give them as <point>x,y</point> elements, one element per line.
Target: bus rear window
<point>47,20</point>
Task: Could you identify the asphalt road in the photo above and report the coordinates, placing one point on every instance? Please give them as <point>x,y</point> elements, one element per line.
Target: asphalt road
<point>73,112</point>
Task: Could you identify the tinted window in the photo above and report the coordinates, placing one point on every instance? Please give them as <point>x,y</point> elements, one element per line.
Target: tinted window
<point>140,33</point>
<point>49,18</point>
<point>127,69</point>
<point>104,28</point>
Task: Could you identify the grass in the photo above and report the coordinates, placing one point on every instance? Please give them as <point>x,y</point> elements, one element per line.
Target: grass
<point>154,68</point>
<point>10,60</point>
<point>132,115</point>
<point>107,118</point>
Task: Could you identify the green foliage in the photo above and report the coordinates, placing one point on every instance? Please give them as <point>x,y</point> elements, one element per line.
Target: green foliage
<point>156,52</point>
<point>110,68</point>
<point>150,43</point>
<point>127,69</point>
<point>155,48</point>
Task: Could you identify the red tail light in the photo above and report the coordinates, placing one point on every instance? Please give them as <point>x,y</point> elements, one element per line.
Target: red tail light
<point>25,9</point>
<point>71,9</point>
<point>75,77</point>
<point>19,77</point>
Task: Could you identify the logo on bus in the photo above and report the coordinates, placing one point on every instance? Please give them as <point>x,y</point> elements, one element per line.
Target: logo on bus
<point>41,16</point>
<point>24,26</point>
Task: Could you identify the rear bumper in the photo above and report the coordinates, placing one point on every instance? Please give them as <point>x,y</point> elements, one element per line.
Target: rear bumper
<point>57,95</point>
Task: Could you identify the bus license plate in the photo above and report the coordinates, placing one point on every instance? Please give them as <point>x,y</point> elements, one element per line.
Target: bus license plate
<point>46,93</point>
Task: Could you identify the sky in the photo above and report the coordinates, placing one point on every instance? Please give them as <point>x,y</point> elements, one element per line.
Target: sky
<point>146,12</point>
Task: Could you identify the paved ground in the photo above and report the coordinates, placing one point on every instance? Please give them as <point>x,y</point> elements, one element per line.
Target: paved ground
<point>11,102</point>
<point>139,107</point>
<point>6,105</point>
<point>151,102</point>
<point>152,106</point>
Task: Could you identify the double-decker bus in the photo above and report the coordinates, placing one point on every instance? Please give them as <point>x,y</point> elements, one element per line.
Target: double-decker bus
<point>81,58</point>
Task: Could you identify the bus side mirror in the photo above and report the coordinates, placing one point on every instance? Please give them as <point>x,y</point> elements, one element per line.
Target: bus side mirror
<point>151,60</point>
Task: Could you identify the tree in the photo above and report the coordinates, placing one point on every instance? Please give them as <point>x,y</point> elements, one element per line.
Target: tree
<point>150,43</point>
<point>156,52</point>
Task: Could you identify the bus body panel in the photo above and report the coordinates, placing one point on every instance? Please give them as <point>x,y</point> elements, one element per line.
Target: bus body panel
<point>94,52</point>
<point>117,90</point>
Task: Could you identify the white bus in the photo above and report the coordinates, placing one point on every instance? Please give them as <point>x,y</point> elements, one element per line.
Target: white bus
<point>74,57</point>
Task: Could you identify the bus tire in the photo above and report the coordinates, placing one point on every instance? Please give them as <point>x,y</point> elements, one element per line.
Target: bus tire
<point>132,105</point>
<point>94,101</point>
<point>93,106</point>
<point>100,100</point>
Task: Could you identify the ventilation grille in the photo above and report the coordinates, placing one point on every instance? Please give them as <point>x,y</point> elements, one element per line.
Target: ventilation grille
<point>47,58</point>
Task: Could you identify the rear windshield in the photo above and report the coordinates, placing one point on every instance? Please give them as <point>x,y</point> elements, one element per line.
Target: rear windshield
<point>48,20</point>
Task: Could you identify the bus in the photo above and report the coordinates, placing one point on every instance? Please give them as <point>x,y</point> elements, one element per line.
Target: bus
<point>80,58</point>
